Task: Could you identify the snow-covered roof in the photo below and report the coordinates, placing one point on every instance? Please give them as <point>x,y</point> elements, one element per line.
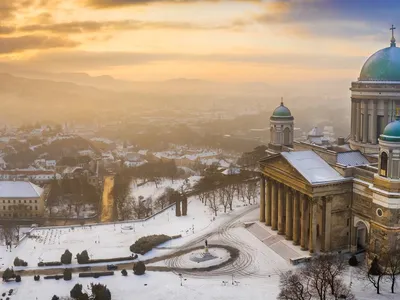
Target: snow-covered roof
<point>19,189</point>
<point>352,158</point>
<point>314,169</point>
<point>231,171</point>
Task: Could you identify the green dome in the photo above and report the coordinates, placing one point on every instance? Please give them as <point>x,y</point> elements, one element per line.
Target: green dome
<point>384,65</point>
<point>281,111</point>
<point>391,133</point>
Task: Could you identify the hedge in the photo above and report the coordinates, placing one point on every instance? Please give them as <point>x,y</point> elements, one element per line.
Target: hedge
<point>56,277</point>
<point>49,264</point>
<point>146,243</point>
<point>96,274</point>
<point>116,259</point>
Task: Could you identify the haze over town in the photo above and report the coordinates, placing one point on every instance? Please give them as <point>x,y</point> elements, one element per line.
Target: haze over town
<point>203,149</point>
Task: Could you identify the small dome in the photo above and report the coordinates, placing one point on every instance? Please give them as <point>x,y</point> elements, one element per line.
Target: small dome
<point>383,65</point>
<point>281,111</point>
<point>391,133</point>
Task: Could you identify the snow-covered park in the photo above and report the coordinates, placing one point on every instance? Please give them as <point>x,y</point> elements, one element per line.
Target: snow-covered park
<point>253,275</point>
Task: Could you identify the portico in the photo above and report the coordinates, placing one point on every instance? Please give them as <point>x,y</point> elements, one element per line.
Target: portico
<point>299,206</point>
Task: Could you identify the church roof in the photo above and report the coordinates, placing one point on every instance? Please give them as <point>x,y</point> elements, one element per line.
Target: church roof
<point>312,167</point>
<point>352,159</point>
<point>383,65</point>
<point>391,133</point>
<point>282,112</point>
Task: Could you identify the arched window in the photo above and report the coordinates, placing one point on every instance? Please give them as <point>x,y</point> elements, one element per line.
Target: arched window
<point>286,134</point>
<point>384,163</point>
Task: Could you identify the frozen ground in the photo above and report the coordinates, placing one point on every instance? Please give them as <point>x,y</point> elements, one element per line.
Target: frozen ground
<point>113,240</point>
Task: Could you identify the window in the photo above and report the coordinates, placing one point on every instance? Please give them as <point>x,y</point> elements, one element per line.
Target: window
<point>19,201</point>
<point>4,208</point>
<point>383,169</point>
<point>35,201</point>
<point>348,222</point>
<point>24,201</point>
<point>30,201</point>
<point>8,201</point>
<point>36,208</point>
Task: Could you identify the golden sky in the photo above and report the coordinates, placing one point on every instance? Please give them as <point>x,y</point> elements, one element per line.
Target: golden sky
<point>150,40</point>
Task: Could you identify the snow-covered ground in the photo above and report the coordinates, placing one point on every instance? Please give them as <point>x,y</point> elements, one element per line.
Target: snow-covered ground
<point>113,240</point>
<point>150,190</point>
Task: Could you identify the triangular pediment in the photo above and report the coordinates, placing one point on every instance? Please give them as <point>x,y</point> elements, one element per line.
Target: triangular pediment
<point>278,166</point>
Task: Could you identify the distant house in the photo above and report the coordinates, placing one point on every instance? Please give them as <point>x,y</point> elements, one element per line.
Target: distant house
<point>50,164</point>
<point>34,175</point>
<point>21,200</point>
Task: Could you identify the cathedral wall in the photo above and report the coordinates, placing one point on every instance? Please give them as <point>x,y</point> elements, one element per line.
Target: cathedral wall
<point>340,221</point>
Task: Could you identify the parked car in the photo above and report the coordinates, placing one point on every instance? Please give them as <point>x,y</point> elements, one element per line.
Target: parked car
<point>112,267</point>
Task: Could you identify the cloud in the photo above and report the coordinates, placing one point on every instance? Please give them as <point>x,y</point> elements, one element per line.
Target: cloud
<point>121,3</point>
<point>95,26</point>
<point>27,42</point>
<point>86,60</point>
<point>6,29</point>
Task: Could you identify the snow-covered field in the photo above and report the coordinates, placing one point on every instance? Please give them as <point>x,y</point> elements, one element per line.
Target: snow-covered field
<point>113,240</point>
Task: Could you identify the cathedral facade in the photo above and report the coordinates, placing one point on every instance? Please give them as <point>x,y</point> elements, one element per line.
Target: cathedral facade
<point>340,199</point>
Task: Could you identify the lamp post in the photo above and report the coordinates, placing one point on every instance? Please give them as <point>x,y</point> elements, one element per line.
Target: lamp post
<point>181,277</point>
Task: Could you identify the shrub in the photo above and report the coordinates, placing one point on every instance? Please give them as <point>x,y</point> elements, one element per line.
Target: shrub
<point>139,268</point>
<point>353,261</point>
<point>146,243</point>
<point>116,259</point>
<point>76,291</point>
<point>18,278</point>
<point>36,277</point>
<point>67,274</point>
<point>20,262</point>
<point>8,274</point>
<point>56,277</point>
<point>100,291</point>
<point>124,272</point>
<point>55,298</point>
<point>96,274</point>
<point>49,264</point>
<point>66,258</point>
<point>375,269</point>
<point>83,258</point>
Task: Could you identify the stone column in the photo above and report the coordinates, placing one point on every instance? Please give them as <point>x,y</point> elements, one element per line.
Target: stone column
<point>262,199</point>
<point>281,209</point>
<point>326,224</point>
<point>313,226</point>
<point>353,236</point>
<point>296,219</point>
<point>358,120</point>
<point>365,122</point>
<point>274,206</point>
<point>305,217</point>
<point>374,120</point>
<point>268,199</point>
<point>289,215</point>
<point>353,119</point>
<point>385,113</point>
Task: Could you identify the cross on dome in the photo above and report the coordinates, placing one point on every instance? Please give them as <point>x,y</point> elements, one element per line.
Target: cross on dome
<point>281,101</point>
<point>393,40</point>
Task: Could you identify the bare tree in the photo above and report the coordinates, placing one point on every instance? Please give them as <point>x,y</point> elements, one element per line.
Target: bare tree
<point>223,199</point>
<point>393,267</point>
<point>374,273</point>
<point>251,191</point>
<point>213,202</point>
<point>293,287</point>
<point>319,279</point>
<point>229,191</point>
<point>202,197</point>
<point>9,233</point>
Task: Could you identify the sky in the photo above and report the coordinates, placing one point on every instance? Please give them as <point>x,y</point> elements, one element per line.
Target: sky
<point>231,41</point>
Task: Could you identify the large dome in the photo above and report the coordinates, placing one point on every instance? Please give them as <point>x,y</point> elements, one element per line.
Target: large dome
<point>383,65</point>
<point>391,133</point>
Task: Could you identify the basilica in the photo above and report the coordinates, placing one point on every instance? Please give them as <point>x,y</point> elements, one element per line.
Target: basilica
<point>344,197</point>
